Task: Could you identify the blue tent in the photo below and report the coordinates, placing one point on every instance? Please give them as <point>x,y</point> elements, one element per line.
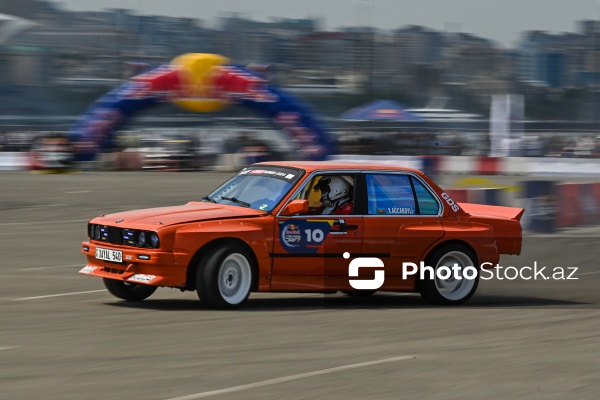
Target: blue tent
<point>380,110</point>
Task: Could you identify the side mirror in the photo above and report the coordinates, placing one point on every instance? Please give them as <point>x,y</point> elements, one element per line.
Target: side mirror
<point>295,207</point>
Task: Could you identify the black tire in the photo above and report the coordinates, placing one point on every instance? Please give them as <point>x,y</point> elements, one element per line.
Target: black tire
<point>128,291</point>
<point>449,291</point>
<point>359,293</point>
<point>224,278</point>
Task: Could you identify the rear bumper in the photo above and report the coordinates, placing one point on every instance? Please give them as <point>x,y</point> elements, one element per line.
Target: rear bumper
<point>159,270</point>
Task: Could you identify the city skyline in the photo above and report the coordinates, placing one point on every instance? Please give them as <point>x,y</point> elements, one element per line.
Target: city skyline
<point>502,22</point>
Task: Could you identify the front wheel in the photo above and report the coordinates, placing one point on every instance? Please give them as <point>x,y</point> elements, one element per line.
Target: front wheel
<point>450,289</point>
<point>128,291</point>
<point>225,277</point>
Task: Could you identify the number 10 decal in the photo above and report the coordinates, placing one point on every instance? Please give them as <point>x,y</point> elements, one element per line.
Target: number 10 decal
<point>314,235</point>
<point>303,236</point>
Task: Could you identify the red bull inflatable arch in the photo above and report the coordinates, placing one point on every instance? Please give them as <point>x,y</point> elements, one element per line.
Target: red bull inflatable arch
<point>199,83</point>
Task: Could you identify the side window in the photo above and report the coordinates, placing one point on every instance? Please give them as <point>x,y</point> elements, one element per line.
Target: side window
<point>390,194</point>
<point>427,203</point>
<point>330,194</point>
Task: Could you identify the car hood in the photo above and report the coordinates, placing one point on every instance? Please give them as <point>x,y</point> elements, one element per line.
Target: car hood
<point>152,218</point>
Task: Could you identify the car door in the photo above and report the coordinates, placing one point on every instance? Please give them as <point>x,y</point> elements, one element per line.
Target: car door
<point>309,248</point>
<point>401,221</point>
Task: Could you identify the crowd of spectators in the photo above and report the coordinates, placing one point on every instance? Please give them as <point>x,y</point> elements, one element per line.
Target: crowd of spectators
<point>16,141</point>
<point>453,143</point>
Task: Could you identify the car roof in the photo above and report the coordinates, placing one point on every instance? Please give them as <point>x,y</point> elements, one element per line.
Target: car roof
<point>310,166</point>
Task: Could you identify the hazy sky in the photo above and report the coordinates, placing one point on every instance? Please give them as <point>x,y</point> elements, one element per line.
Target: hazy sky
<point>499,20</point>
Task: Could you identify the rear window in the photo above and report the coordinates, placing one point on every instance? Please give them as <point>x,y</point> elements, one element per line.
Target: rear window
<point>427,203</point>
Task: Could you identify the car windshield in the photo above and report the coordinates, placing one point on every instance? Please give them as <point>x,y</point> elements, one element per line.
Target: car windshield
<point>258,187</point>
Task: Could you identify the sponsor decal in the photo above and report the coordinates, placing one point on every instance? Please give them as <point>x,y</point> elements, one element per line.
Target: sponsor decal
<point>88,269</point>
<point>143,278</point>
<point>450,202</point>
<point>338,227</point>
<point>299,236</point>
<point>401,210</point>
<point>291,236</point>
<point>271,173</point>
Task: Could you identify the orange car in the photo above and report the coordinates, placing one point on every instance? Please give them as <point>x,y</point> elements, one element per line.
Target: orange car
<point>304,227</point>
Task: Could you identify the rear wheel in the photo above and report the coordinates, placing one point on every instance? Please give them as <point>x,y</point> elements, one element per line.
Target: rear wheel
<point>225,277</point>
<point>450,290</point>
<point>128,291</point>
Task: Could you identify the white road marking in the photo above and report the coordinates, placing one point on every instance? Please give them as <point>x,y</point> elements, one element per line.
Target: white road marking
<point>59,295</point>
<point>45,222</point>
<point>45,205</point>
<point>35,233</point>
<point>80,191</point>
<point>291,378</point>
<point>58,266</point>
<point>7,348</point>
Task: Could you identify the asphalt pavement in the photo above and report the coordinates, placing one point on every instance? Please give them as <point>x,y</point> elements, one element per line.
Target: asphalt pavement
<point>63,336</point>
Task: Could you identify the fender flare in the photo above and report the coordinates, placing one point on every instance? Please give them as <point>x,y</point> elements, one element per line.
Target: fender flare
<point>208,235</point>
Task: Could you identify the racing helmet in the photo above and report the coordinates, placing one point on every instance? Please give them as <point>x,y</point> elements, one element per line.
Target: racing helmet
<point>333,187</point>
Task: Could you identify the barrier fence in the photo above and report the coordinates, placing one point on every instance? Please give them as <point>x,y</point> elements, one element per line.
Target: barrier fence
<point>549,204</point>
<point>481,165</point>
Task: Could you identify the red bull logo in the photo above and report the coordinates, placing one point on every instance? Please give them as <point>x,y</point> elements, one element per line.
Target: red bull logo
<point>162,82</point>
<point>291,235</point>
<point>234,84</point>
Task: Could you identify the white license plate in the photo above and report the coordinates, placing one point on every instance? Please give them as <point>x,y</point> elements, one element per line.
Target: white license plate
<point>109,255</point>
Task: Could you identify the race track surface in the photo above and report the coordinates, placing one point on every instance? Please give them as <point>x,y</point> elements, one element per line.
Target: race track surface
<point>62,336</point>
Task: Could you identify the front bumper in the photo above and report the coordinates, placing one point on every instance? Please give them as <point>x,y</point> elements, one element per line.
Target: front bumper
<point>155,268</point>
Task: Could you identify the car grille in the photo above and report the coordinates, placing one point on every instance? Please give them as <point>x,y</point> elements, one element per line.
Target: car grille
<point>111,234</point>
<point>115,235</point>
<point>119,236</point>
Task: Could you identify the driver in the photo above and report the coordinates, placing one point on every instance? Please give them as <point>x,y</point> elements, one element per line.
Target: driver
<point>336,195</point>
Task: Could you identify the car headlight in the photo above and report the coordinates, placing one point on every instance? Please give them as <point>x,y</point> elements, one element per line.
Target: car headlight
<point>91,231</point>
<point>97,232</point>
<point>141,239</point>
<point>154,242</point>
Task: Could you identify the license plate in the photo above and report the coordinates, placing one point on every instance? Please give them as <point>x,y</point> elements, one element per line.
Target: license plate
<point>109,255</point>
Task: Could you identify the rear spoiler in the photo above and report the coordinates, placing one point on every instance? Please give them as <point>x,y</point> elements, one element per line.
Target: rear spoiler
<point>506,222</point>
<point>513,213</point>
